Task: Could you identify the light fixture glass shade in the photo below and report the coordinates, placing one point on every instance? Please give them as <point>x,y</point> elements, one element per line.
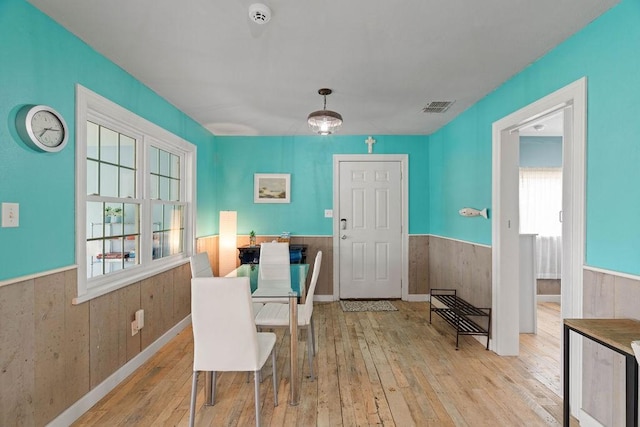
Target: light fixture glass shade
<point>324,122</point>
<point>227,242</point>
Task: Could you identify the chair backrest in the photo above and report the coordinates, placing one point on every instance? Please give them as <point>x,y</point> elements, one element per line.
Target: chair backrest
<point>308,302</point>
<point>224,329</point>
<point>200,265</point>
<point>274,262</point>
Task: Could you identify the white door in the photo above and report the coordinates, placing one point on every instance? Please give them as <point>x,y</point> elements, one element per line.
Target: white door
<point>370,229</point>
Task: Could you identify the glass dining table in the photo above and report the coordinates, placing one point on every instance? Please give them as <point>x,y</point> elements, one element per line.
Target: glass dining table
<point>278,291</point>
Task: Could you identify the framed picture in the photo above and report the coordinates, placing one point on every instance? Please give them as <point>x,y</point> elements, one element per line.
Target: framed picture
<point>271,188</point>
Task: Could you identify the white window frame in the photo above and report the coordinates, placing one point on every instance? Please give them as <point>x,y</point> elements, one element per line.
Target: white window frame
<point>93,107</point>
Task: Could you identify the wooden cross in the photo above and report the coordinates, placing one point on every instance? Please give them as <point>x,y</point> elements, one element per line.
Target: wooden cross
<point>370,141</point>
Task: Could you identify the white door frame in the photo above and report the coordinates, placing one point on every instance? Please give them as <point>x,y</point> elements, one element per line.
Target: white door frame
<point>505,334</point>
<point>404,182</point>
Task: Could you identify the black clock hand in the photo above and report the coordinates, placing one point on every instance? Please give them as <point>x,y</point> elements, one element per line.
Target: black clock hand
<point>46,129</point>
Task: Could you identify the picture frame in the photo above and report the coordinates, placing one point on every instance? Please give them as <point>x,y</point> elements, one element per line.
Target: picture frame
<point>271,188</point>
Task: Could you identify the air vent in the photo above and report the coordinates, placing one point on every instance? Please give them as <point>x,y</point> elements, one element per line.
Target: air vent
<point>437,106</point>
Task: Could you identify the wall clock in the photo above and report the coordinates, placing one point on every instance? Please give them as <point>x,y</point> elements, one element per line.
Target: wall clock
<point>42,128</point>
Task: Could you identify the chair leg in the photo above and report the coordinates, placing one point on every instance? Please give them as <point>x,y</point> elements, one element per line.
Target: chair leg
<point>213,387</point>
<point>275,377</point>
<point>256,379</point>
<point>192,409</point>
<point>313,336</point>
<point>310,350</point>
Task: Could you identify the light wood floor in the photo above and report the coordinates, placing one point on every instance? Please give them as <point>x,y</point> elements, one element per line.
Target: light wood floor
<point>382,368</point>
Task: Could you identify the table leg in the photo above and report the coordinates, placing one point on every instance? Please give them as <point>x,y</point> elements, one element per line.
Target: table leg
<point>632,390</point>
<point>565,397</point>
<point>294,396</point>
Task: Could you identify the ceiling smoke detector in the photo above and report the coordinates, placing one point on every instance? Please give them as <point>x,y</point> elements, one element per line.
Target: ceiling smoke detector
<point>259,13</point>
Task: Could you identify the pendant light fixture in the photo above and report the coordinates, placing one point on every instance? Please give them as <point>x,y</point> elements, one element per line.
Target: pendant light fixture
<point>324,122</point>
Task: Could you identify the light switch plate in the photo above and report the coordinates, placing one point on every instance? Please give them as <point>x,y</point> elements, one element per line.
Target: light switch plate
<point>328,213</point>
<point>10,214</point>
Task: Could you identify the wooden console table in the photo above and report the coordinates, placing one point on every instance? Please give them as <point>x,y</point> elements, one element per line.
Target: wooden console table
<point>615,334</point>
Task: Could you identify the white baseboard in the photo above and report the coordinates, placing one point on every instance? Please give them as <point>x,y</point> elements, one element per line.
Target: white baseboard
<point>587,420</point>
<point>548,298</point>
<point>85,403</point>
<point>418,298</point>
<point>410,298</point>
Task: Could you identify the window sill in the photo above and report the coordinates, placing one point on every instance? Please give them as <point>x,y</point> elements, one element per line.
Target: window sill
<point>128,279</point>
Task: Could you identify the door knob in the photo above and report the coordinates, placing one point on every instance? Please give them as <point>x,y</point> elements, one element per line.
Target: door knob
<point>344,236</point>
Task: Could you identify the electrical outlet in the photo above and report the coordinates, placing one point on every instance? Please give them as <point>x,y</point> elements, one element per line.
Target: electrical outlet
<point>134,328</point>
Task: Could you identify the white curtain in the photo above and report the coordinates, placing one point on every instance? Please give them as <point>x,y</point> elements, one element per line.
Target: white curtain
<point>540,206</point>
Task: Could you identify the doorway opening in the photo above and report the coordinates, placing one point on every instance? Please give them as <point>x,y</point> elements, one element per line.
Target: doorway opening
<point>571,101</point>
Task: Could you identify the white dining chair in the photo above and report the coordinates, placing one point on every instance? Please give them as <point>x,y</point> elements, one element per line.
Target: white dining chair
<point>201,267</point>
<point>277,315</point>
<point>274,272</point>
<point>225,337</point>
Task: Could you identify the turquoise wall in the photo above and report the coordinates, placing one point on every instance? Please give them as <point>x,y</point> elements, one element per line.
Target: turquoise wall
<point>309,160</point>
<point>451,169</point>
<point>606,52</point>
<point>41,64</point>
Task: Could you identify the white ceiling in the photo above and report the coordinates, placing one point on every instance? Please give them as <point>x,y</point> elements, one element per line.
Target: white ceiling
<point>384,60</point>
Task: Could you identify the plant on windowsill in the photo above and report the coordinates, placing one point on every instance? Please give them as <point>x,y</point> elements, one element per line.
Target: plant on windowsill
<point>252,238</point>
<point>108,213</point>
<point>116,213</point>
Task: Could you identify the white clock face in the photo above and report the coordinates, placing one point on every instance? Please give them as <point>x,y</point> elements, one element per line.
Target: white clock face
<point>42,128</point>
<point>47,128</point>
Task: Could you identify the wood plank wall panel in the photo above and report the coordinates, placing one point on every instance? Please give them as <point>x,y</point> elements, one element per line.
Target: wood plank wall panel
<point>129,304</point>
<point>315,244</point>
<point>76,343</point>
<point>157,302</point>
<point>61,339</point>
<point>17,354</point>
<point>418,265</point>
<point>181,293</point>
<point>463,266</point>
<point>105,336</point>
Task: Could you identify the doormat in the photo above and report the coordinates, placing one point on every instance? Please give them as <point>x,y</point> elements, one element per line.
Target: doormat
<point>364,305</point>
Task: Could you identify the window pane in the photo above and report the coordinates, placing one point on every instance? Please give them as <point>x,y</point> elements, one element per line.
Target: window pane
<point>108,145</point>
<point>174,191</point>
<point>127,151</point>
<point>92,177</point>
<point>92,140</point>
<point>154,159</point>
<point>108,180</point>
<point>131,218</point>
<point>131,246</point>
<point>164,188</point>
<point>94,264</point>
<point>95,219</point>
<point>164,163</point>
<point>154,187</point>
<point>175,166</point>
<point>127,183</point>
